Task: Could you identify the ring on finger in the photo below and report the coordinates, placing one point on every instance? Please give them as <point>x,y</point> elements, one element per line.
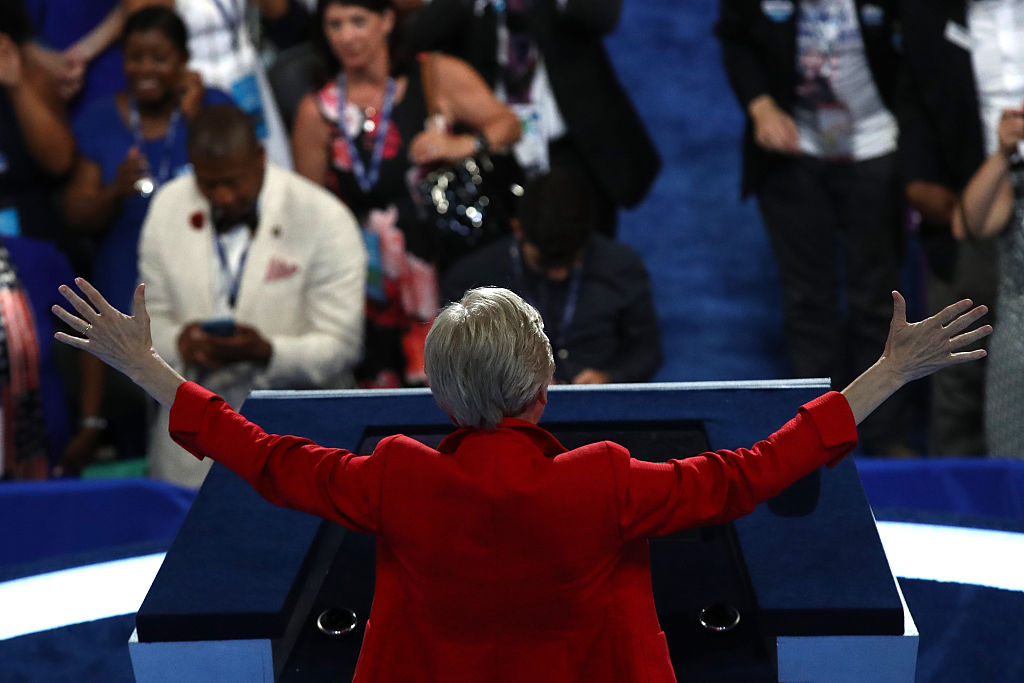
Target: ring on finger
<point>88,327</point>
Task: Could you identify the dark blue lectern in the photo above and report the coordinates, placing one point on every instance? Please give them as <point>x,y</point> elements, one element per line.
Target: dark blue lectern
<point>239,593</point>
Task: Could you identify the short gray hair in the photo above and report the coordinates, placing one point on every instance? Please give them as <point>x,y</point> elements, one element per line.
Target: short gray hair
<point>486,357</point>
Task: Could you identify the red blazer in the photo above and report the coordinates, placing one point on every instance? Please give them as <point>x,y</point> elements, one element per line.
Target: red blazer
<point>501,556</point>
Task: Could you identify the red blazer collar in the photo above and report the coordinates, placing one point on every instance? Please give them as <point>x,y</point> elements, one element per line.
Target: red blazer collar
<point>539,436</point>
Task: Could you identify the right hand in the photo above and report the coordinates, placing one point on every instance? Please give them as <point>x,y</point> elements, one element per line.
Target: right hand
<point>1011,131</point>
<point>774,129</point>
<point>121,341</point>
<point>132,168</point>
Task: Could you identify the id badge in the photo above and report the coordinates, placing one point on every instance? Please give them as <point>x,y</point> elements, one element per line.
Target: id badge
<point>532,149</point>
<point>10,226</point>
<point>374,270</point>
<point>246,93</point>
<point>835,132</point>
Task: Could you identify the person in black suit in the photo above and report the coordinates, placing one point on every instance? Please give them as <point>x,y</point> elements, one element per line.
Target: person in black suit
<point>816,80</point>
<point>593,293</point>
<point>943,141</point>
<point>557,76</point>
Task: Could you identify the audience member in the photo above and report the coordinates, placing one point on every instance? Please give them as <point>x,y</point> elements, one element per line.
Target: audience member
<point>130,144</point>
<point>223,52</point>
<point>594,294</point>
<point>993,204</point>
<point>816,80</point>
<point>948,122</point>
<point>256,277</point>
<point>75,42</point>
<point>36,147</point>
<point>546,60</point>
<point>361,134</point>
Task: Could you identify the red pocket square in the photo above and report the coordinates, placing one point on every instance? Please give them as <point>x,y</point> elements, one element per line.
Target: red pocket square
<point>279,270</point>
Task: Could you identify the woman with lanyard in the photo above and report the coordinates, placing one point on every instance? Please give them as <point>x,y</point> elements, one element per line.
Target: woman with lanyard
<point>129,145</point>
<point>362,134</point>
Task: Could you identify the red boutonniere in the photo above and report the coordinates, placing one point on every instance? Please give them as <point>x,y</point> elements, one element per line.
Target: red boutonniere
<point>197,219</point>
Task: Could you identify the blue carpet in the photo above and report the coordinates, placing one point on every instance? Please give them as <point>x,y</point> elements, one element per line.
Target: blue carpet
<point>715,281</point>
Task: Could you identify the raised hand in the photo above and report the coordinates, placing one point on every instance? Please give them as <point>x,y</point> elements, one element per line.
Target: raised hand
<point>123,342</point>
<point>914,350</point>
<point>119,340</point>
<point>919,349</point>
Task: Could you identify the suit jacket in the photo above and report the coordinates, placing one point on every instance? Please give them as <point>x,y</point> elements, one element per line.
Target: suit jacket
<point>614,328</point>
<point>759,53</point>
<point>601,121</point>
<point>941,138</point>
<point>501,556</point>
<point>302,288</point>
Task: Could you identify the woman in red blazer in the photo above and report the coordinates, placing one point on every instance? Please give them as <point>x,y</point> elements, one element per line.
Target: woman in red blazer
<point>501,556</point>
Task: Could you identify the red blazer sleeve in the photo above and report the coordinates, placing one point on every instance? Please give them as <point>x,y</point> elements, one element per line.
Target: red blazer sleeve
<point>289,471</point>
<point>660,498</point>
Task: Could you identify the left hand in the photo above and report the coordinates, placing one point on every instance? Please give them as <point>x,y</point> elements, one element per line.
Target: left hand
<point>435,144</point>
<point>591,376</point>
<point>914,350</point>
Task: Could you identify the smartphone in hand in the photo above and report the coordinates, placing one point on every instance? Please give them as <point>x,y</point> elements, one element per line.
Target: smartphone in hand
<point>218,327</point>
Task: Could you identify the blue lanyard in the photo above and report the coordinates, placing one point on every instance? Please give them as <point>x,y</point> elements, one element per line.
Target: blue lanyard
<point>163,173</point>
<point>366,180</point>
<point>232,19</point>
<point>234,278</point>
<point>571,298</point>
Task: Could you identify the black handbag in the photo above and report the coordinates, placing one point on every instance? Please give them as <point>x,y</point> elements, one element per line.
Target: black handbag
<point>469,202</point>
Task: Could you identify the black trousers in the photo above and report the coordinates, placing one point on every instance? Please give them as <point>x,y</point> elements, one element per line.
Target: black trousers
<point>957,393</point>
<point>837,232</point>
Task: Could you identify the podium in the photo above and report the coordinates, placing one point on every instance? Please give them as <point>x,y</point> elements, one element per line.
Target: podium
<point>242,586</point>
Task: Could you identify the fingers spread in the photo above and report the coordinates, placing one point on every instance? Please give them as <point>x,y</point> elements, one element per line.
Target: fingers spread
<point>899,308</point>
<point>968,338</point>
<point>966,320</point>
<point>85,310</point>
<point>77,342</point>
<point>72,320</point>
<point>139,302</point>
<point>952,312</point>
<point>967,356</point>
<point>94,295</point>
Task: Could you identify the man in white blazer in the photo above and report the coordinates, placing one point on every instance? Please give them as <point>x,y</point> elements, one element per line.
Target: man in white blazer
<point>255,278</point>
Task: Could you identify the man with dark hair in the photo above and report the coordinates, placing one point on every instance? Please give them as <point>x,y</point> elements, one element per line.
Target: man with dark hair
<point>256,275</point>
<point>594,293</point>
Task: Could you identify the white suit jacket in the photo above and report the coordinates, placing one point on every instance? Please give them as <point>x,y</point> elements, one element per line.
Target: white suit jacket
<point>302,288</point>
